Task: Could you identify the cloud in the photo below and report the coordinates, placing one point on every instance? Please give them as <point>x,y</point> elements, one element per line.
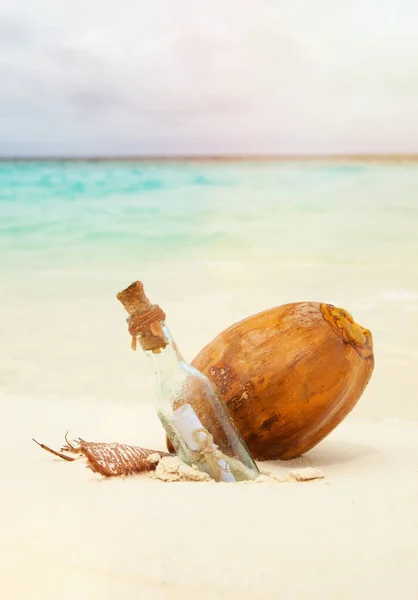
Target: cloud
<point>14,33</point>
<point>225,76</point>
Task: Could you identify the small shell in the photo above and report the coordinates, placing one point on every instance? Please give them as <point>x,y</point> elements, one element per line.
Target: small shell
<point>172,469</point>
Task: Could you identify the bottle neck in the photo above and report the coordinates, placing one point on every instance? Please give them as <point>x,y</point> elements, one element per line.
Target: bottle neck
<point>168,358</point>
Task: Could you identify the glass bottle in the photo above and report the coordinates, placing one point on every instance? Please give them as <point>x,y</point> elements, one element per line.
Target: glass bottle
<point>196,420</point>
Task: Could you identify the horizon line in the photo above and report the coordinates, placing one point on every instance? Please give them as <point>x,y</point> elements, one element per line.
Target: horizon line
<point>365,157</point>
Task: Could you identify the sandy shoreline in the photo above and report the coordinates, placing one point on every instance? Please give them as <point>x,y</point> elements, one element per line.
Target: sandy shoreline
<point>64,333</point>
<point>67,533</point>
<point>213,245</point>
<point>66,363</point>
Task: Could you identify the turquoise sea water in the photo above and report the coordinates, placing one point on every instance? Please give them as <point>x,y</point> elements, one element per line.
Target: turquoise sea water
<point>54,213</point>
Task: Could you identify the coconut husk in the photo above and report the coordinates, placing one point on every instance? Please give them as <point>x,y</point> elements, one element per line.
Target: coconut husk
<point>109,460</point>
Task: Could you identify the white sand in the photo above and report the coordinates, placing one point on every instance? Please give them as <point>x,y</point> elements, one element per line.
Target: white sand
<point>65,363</point>
<point>63,333</point>
<point>66,533</point>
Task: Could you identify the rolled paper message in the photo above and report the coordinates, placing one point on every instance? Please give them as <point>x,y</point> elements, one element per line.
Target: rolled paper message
<point>200,442</point>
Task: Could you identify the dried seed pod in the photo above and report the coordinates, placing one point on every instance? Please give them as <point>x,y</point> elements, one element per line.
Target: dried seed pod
<point>289,375</point>
<point>110,460</point>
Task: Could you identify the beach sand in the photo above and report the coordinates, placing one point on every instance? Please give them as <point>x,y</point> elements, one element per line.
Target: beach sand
<point>67,533</point>
<point>213,244</point>
<point>66,364</point>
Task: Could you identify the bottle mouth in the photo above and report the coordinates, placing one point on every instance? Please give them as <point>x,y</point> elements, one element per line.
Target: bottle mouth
<point>152,339</point>
<point>148,319</point>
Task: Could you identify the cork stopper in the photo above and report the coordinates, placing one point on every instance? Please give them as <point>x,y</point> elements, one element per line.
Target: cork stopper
<point>144,318</point>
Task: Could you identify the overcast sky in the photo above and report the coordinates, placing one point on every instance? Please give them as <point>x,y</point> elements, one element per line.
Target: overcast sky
<point>208,76</point>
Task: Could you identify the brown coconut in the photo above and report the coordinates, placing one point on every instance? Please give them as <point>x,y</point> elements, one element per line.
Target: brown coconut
<point>289,375</point>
